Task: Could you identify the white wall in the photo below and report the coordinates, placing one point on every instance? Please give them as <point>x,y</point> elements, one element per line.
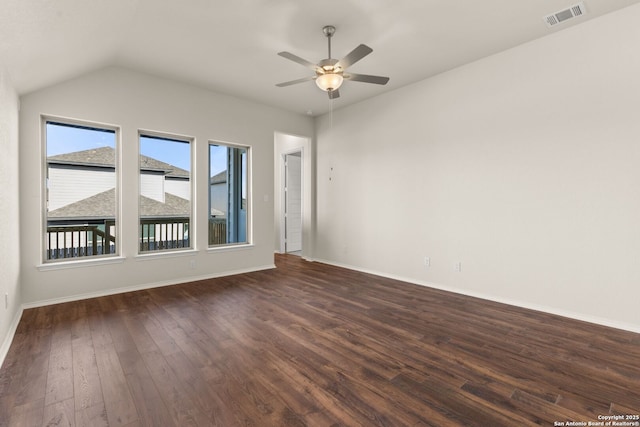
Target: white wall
<point>136,101</point>
<point>9,214</point>
<point>524,167</point>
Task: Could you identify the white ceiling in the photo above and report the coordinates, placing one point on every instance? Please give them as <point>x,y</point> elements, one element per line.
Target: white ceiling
<point>230,46</point>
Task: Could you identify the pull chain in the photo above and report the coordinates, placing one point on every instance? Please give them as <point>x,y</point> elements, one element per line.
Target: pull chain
<point>331,112</point>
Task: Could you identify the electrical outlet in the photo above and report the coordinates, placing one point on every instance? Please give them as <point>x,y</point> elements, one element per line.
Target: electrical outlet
<point>6,300</point>
<point>192,264</point>
<point>458,267</point>
<point>427,262</point>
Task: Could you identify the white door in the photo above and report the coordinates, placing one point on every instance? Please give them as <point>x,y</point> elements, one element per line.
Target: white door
<point>293,202</point>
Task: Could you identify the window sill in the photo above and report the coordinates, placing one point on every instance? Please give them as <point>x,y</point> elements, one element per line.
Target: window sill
<point>165,254</point>
<point>230,248</point>
<point>79,263</point>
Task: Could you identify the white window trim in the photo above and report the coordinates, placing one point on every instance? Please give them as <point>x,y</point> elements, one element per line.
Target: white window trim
<point>240,245</point>
<point>80,261</point>
<point>168,253</point>
<point>193,199</point>
<point>230,247</point>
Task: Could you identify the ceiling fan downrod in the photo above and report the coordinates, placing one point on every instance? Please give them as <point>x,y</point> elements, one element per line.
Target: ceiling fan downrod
<point>328,31</point>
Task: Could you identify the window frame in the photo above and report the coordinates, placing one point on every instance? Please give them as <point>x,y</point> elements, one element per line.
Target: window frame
<point>46,119</point>
<point>249,195</point>
<point>192,228</point>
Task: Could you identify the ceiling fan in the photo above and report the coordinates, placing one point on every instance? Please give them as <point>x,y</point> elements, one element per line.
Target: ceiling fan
<point>330,72</point>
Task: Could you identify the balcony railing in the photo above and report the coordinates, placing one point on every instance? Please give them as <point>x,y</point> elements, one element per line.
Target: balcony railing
<point>217,231</point>
<point>74,241</point>
<point>163,234</point>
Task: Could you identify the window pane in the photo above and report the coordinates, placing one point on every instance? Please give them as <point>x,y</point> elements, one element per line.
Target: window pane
<point>165,193</point>
<point>80,191</point>
<point>228,195</point>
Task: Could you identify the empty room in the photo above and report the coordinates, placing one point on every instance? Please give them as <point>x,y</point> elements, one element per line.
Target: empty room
<point>342,213</point>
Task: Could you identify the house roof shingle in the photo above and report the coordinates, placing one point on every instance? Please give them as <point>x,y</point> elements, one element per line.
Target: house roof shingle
<point>102,206</point>
<point>219,178</point>
<point>105,157</point>
<point>173,206</point>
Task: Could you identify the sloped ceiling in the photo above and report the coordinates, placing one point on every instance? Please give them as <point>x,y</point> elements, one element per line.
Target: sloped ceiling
<point>231,46</point>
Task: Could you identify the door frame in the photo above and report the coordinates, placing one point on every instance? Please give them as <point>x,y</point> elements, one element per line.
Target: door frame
<point>287,143</point>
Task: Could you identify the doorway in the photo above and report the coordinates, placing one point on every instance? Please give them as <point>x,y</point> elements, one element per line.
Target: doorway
<point>293,195</point>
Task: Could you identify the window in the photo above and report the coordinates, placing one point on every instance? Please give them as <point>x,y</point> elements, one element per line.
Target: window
<point>165,193</point>
<point>80,190</point>
<point>228,194</point>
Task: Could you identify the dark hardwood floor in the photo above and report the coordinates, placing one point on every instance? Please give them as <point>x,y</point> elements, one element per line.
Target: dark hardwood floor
<point>311,344</point>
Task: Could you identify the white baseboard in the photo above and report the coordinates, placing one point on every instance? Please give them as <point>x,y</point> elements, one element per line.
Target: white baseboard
<point>516,303</point>
<point>11,333</point>
<point>115,291</point>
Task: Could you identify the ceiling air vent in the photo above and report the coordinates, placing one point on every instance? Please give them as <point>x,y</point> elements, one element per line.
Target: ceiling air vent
<point>565,14</point>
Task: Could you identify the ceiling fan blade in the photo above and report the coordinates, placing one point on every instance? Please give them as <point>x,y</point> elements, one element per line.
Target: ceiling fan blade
<point>379,80</point>
<point>293,82</point>
<point>354,56</point>
<point>296,58</point>
<point>333,94</point>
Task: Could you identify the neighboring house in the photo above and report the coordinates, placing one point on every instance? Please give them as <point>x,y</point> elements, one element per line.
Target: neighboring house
<point>100,207</point>
<point>228,203</point>
<point>77,176</point>
<point>219,194</point>
<point>81,197</point>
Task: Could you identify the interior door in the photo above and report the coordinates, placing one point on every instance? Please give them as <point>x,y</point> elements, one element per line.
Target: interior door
<point>293,202</point>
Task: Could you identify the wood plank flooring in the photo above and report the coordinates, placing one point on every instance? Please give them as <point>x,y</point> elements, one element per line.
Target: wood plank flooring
<point>309,344</point>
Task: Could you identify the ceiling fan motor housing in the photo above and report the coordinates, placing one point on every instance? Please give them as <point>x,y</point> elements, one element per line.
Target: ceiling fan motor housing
<point>328,66</point>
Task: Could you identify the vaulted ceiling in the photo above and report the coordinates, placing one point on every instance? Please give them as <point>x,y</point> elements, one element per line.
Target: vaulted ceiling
<point>231,46</point>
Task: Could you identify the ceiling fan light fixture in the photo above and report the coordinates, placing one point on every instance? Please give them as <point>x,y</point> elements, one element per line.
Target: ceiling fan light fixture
<point>329,81</point>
